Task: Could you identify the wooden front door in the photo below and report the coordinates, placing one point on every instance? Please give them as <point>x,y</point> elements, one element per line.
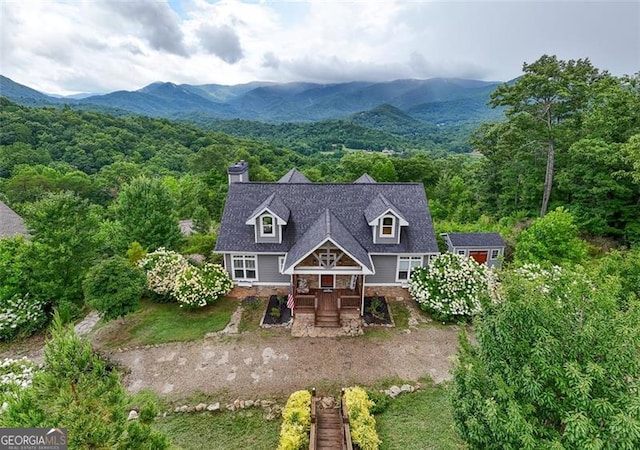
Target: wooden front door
<point>479,256</point>
<point>327,281</point>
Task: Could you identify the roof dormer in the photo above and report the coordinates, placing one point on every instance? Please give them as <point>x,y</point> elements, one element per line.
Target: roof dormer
<point>385,219</point>
<point>268,219</point>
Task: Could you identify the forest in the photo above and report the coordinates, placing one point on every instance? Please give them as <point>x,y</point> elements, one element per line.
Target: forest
<point>558,176</point>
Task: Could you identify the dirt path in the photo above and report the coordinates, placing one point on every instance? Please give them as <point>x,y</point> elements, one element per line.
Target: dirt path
<point>253,366</point>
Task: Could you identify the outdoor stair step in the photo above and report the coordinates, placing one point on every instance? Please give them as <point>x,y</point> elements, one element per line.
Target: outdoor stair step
<point>327,324</point>
<point>329,430</point>
<point>327,313</point>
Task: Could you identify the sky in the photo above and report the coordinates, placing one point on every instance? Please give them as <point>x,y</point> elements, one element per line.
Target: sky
<point>96,46</point>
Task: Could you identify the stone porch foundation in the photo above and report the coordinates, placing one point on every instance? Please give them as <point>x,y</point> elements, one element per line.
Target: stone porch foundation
<point>303,326</point>
<point>389,292</point>
<point>241,292</point>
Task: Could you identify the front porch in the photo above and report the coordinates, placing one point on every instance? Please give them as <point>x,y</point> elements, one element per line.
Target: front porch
<point>326,305</point>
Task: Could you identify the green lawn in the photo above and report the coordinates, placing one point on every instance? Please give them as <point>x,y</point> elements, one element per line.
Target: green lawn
<point>419,421</point>
<point>225,430</point>
<point>252,315</point>
<point>155,323</point>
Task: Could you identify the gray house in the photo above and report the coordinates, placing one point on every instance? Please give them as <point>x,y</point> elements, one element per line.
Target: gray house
<point>485,248</point>
<point>11,224</point>
<point>325,243</point>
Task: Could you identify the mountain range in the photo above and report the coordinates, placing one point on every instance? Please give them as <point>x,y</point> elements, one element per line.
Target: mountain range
<point>438,112</point>
<point>436,100</point>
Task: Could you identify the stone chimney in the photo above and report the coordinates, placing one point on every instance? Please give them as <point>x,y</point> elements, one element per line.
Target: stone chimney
<point>239,172</point>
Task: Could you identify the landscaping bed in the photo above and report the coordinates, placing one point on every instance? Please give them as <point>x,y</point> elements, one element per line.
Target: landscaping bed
<point>376,311</point>
<point>276,312</point>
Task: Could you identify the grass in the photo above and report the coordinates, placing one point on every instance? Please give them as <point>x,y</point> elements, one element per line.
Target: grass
<point>418,421</point>
<point>223,430</point>
<point>156,323</point>
<point>400,315</point>
<point>252,315</point>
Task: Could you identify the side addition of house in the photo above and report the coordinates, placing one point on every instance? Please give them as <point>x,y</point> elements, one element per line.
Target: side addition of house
<point>328,244</point>
<point>484,248</point>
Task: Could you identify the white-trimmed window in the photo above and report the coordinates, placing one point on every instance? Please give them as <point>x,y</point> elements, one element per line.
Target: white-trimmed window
<point>267,226</point>
<point>406,265</point>
<point>281,263</point>
<point>495,253</point>
<point>462,252</point>
<point>244,267</point>
<point>387,226</point>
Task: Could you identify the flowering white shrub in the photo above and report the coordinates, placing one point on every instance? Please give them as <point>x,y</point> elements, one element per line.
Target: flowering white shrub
<point>15,375</point>
<point>163,268</point>
<point>170,274</point>
<point>20,314</point>
<point>200,286</point>
<point>555,280</point>
<point>453,287</point>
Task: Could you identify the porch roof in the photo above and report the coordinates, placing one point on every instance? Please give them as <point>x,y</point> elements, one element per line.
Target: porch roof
<point>327,227</point>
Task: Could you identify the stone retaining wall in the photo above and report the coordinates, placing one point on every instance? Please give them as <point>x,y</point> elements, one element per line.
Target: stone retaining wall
<point>389,292</point>
<point>257,291</point>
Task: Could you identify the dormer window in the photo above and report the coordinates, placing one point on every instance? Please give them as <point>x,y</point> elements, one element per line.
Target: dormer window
<point>388,226</point>
<point>267,228</point>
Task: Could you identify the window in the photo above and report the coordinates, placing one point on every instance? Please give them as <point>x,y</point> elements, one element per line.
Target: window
<point>388,226</point>
<point>281,263</point>
<point>462,252</point>
<point>244,267</point>
<point>405,265</point>
<point>266,226</point>
<point>495,253</point>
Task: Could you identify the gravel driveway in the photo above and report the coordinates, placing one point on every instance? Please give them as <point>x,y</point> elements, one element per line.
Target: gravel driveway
<point>260,366</point>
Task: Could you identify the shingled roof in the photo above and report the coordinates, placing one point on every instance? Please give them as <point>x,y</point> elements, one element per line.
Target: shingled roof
<point>294,176</point>
<point>11,224</point>
<point>273,204</point>
<point>365,178</point>
<point>476,239</point>
<point>346,203</point>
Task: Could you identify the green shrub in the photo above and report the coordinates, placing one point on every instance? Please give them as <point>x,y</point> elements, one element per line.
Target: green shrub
<point>113,287</point>
<point>296,422</point>
<point>361,423</point>
<point>380,401</point>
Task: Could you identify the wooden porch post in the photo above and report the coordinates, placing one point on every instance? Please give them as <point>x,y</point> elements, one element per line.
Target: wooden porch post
<point>362,294</point>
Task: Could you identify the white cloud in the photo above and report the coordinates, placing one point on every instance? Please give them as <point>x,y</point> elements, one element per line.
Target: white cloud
<point>65,47</point>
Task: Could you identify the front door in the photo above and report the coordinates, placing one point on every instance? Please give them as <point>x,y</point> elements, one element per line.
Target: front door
<point>479,256</point>
<point>327,281</point>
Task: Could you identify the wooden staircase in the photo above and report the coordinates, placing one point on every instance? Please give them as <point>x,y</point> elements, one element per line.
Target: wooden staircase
<point>329,426</point>
<point>327,319</point>
<point>329,429</point>
<point>327,314</point>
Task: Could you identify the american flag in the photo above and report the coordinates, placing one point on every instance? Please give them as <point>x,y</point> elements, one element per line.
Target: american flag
<point>290,299</point>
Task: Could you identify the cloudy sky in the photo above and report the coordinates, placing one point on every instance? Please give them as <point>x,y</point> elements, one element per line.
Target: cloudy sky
<point>71,46</point>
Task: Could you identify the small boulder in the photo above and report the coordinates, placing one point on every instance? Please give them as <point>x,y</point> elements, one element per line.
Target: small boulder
<point>201,406</point>
<point>406,388</point>
<point>248,403</point>
<point>133,415</point>
<point>214,407</point>
<point>394,391</point>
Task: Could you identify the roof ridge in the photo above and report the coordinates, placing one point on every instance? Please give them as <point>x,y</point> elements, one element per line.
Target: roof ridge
<point>328,221</point>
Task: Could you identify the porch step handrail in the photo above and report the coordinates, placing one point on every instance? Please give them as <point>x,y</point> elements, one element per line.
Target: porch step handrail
<point>346,429</point>
<point>313,432</point>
